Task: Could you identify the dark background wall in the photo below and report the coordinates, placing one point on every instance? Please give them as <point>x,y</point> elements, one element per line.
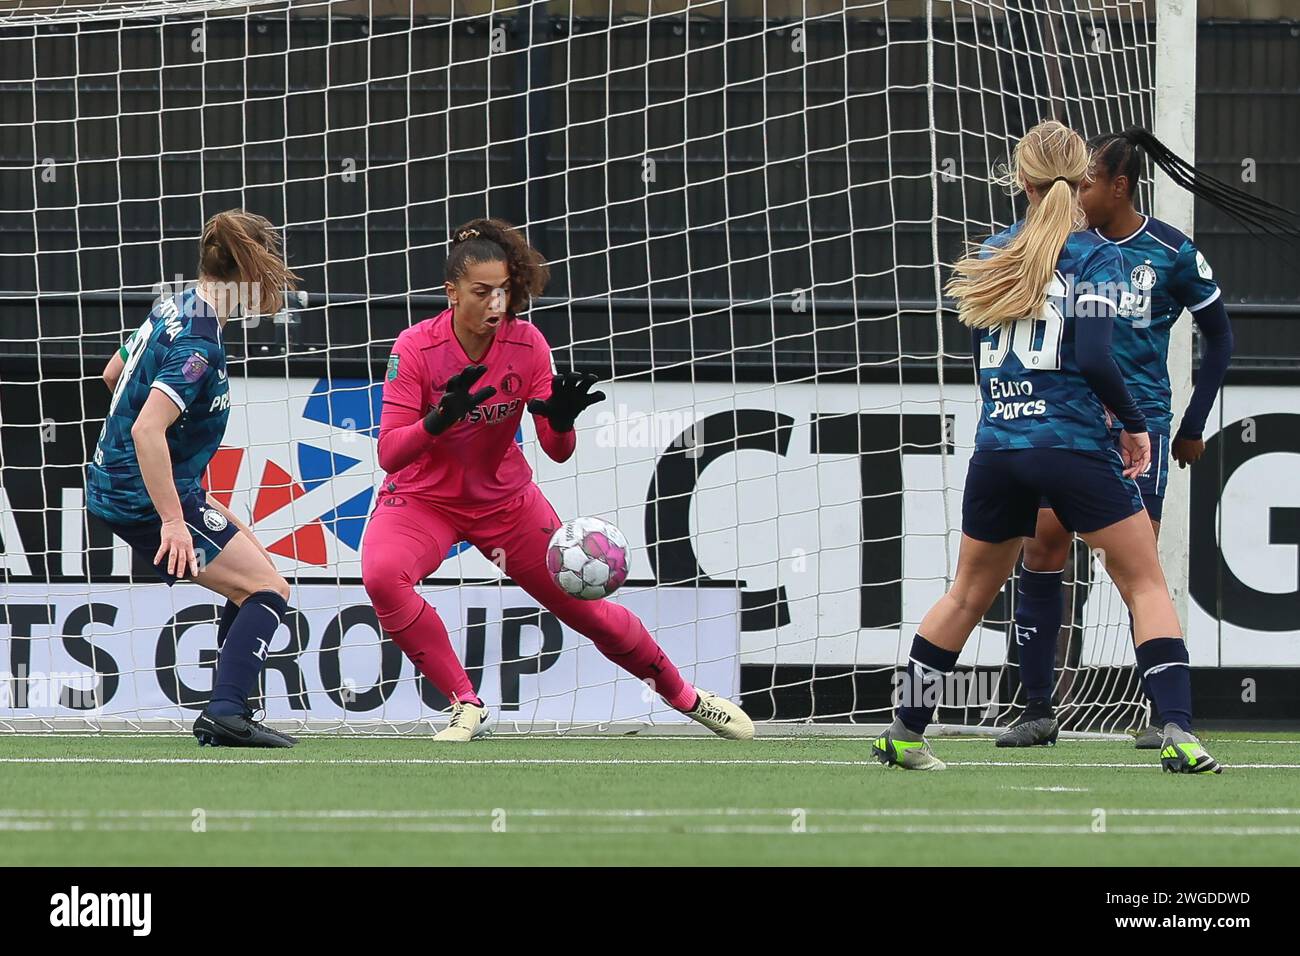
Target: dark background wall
<point>774,170</point>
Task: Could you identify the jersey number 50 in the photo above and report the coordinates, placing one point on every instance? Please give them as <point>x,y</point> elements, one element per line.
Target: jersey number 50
<point>1019,337</point>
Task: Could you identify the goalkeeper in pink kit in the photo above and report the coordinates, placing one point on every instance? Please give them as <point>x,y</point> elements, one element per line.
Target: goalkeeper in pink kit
<point>454,392</point>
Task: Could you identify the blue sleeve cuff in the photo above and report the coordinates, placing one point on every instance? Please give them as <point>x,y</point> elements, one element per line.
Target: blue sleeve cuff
<point>1216,355</point>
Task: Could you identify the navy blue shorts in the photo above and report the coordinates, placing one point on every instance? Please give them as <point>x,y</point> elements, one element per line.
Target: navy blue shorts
<point>209,528</point>
<point>1152,482</point>
<point>1088,491</point>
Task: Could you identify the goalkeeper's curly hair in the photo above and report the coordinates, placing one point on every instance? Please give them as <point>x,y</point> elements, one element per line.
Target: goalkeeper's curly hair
<point>495,240</point>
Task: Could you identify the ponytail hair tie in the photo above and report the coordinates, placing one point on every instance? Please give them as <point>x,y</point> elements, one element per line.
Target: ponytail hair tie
<point>1060,179</point>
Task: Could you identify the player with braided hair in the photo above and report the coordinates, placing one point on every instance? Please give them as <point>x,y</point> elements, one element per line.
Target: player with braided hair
<point>1165,274</point>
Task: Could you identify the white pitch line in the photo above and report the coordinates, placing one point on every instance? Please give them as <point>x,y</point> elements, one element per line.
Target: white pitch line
<point>542,736</point>
<point>635,812</point>
<point>716,829</point>
<point>1287,743</point>
<point>436,761</point>
<point>107,826</point>
<point>545,737</point>
<point>1084,830</point>
<point>566,761</point>
<point>492,739</point>
<point>1111,766</point>
<point>501,737</point>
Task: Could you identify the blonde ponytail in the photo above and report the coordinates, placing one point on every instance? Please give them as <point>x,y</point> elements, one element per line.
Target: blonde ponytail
<point>1011,282</point>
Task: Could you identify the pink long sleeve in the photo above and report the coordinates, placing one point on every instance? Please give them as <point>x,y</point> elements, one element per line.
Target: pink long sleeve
<point>402,437</point>
<point>557,445</point>
<point>475,467</point>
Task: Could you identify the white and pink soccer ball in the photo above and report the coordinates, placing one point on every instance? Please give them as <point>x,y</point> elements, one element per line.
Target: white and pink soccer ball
<point>588,558</point>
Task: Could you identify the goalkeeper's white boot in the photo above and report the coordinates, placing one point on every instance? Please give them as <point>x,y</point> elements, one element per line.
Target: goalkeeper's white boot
<point>722,716</point>
<point>467,722</point>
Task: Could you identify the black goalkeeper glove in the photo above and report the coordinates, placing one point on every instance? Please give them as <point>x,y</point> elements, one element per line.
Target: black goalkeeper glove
<point>570,395</point>
<point>457,400</point>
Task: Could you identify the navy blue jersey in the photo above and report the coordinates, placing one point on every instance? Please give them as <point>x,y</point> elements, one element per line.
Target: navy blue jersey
<point>178,351</point>
<point>1165,274</point>
<point>1034,391</point>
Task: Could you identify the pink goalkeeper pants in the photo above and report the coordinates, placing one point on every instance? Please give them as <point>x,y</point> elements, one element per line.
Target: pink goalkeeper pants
<point>407,539</point>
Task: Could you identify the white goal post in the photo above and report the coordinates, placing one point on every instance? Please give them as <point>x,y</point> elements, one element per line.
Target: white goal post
<point>1175,125</point>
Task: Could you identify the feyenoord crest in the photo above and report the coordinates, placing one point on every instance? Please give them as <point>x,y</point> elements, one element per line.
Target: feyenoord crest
<point>511,383</point>
<point>1143,277</point>
<point>214,519</point>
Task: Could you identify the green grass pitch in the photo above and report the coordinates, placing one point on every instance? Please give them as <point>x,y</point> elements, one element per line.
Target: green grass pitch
<point>161,800</point>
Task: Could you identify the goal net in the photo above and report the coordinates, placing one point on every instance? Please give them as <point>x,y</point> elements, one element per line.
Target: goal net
<point>747,209</point>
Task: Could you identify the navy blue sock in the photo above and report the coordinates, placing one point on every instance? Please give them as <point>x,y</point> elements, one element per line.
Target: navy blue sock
<point>1162,662</point>
<point>927,666</point>
<point>1142,681</point>
<point>1038,622</point>
<point>227,618</point>
<point>244,654</point>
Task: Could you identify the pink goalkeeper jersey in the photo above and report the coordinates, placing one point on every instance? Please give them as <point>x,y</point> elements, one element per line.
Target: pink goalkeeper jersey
<point>475,466</point>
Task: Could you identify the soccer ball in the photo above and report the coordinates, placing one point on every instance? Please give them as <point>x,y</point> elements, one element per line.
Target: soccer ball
<point>588,558</point>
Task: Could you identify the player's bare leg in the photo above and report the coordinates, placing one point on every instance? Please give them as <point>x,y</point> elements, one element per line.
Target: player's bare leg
<point>982,569</point>
<point>1128,550</point>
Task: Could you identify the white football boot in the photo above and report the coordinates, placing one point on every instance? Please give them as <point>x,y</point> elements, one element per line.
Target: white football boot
<point>467,722</point>
<point>722,716</point>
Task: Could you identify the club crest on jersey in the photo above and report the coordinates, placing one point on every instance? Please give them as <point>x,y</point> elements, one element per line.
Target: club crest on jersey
<point>1136,304</point>
<point>511,383</point>
<point>1143,277</point>
<point>214,519</point>
<point>195,367</point>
